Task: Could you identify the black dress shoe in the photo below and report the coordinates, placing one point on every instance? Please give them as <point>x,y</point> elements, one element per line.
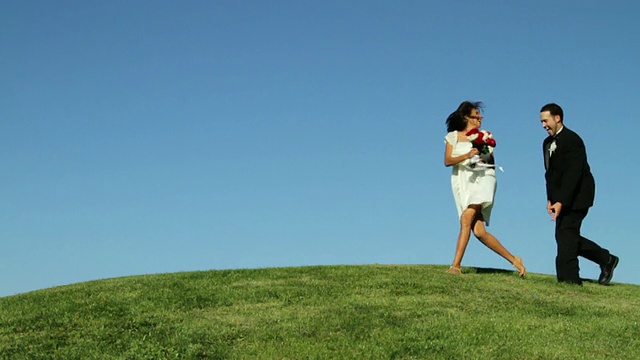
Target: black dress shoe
<point>606,271</point>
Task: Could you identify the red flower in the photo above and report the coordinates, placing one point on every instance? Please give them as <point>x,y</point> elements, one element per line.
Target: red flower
<point>481,139</point>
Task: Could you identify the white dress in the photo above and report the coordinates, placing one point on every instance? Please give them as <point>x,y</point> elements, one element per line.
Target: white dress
<point>471,186</point>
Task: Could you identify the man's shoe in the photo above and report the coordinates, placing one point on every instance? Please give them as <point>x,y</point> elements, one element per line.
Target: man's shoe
<point>606,272</point>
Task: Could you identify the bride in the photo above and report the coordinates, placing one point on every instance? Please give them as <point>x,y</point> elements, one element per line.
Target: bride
<point>473,185</point>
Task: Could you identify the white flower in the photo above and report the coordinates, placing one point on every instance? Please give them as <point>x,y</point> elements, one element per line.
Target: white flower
<point>472,137</point>
<point>552,148</point>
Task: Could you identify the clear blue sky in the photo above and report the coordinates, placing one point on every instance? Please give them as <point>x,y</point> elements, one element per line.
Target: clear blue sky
<point>144,137</point>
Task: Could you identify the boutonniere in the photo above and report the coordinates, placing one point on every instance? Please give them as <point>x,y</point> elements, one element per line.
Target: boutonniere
<point>552,148</point>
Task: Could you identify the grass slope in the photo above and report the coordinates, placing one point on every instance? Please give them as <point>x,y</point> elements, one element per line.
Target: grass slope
<point>324,312</point>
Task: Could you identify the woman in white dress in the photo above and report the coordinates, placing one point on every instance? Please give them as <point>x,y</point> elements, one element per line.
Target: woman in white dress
<point>473,185</point>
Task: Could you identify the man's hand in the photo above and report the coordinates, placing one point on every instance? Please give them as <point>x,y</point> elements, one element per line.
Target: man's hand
<point>554,210</point>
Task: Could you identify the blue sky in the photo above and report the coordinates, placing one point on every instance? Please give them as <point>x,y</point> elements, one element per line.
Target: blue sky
<point>144,137</point>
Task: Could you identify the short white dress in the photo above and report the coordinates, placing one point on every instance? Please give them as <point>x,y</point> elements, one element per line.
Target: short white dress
<point>471,186</point>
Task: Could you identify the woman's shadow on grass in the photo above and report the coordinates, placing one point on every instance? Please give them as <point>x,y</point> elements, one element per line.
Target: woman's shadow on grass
<point>479,270</point>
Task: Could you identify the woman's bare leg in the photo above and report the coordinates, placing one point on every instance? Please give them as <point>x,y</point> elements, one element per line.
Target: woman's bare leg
<point>466,219</point>
<point>490,241</point>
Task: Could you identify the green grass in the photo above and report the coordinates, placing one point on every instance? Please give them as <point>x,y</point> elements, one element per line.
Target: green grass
<point>324,312</point>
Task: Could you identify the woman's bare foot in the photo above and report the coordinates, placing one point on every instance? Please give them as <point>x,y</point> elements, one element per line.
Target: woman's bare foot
<point>517,263</point>
<point>454,270</point>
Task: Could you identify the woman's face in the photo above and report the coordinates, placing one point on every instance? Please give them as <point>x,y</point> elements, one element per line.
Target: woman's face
<point>474,120</point>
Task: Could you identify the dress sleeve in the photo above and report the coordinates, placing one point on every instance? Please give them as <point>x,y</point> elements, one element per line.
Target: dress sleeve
<point>452,138</point>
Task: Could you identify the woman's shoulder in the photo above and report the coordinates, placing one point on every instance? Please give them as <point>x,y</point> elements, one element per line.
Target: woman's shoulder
<point>452,137</point>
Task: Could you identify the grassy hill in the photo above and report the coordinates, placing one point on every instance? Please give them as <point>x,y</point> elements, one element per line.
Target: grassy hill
<point>324,312</point>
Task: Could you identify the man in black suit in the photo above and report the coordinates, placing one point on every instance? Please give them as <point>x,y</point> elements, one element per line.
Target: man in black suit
<point>570,194</point>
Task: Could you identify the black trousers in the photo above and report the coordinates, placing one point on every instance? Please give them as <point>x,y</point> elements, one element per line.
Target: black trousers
<point>571,245</point>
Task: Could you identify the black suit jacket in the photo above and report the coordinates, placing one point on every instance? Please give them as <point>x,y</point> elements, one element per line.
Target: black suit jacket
<point>568,176</point>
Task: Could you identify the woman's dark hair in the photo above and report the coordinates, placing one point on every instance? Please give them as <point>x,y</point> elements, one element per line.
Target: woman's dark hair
<point>456,121</point>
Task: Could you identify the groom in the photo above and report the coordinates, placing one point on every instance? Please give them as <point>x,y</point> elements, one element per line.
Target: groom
<point>570,194</point>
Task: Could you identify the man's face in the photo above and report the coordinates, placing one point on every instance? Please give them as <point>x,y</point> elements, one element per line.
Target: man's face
<point>551,123</point>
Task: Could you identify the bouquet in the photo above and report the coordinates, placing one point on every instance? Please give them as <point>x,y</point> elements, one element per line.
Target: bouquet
<point>481,140</point>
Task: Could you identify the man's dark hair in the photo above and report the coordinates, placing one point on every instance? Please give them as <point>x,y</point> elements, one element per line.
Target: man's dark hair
<point>456,121</point>
<point>553,109</point>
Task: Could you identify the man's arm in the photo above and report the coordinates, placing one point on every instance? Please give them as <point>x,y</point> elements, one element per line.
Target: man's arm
<point>544,164</point>
<point>574,162</point>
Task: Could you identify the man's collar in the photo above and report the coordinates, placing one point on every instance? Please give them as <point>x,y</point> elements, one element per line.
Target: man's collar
<point>556,135</point>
